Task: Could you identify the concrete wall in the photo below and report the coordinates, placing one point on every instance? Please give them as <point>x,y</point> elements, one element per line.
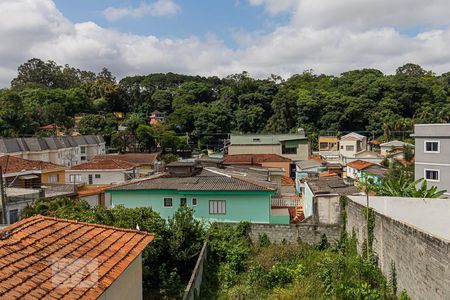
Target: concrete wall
<point>302,150</point>
<point>422,262</point>
<point>326,209</point>
<point>284,165</point>
<point>192,290</point>
<point>292,233</point>
<point>128,285</point>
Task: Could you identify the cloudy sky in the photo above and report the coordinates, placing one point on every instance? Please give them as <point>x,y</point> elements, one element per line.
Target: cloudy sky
<point>220,37</point>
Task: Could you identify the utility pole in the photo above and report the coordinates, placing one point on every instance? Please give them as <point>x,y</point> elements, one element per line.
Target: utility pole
<point>3,198</point>
<point>367,216</point>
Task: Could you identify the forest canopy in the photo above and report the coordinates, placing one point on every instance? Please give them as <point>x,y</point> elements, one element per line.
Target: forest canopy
<point>358,100</point>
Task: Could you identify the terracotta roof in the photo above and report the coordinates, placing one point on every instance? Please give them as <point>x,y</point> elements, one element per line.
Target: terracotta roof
<point>135,158</point>
<point>30,248</point>
<point>88,191</point>
<point>206,181</point>
<point>250,159</point>
<point>286,180</point>
<point>104,164</point>
<point>328,174</point>
<point>360,164</point>
<point>317,158</point>
<point>13,164</point>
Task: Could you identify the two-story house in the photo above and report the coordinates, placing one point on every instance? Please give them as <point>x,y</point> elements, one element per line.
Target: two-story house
<point>101,172</point>
<point>432,152</point>
<point>291,146</point>
<point>353,146</point>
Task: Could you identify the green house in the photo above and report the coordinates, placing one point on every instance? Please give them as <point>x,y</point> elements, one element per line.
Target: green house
<point>213,196</point>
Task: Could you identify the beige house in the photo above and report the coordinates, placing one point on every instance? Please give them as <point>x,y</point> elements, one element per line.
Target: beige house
<point>292,146</point>
<point>83,261</point>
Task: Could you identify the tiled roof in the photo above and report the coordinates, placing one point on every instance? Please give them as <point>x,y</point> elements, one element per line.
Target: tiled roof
<point>104,164</point>
<point>12,164</point>
<point>30,248</point>
<point>331,185</point>
<point>396,143</point>
<point>286,180</point>
<point>353,135</point>
<point>89,191</point>
<point>207,181</point>
<point>250,159</point>
<point>135,158</point>
<point>360,164</point>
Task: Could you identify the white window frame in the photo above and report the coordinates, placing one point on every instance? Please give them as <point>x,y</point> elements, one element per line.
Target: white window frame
<point>217,207</point>
<point>76,177</point>
<point>352,150</point>
<point>185,202</point>
<point>164,202</point>
<point>53,178</point>
<point>433,170</point>
<point>430,141</point>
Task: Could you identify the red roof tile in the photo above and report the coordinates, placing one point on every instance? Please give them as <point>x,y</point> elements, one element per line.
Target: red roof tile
<point>250,159</point>
<point>30,248</point>
<point>105,164</point>
<point>135,158</point>
<point>286,180</point>
<point>13,164</point>
<point>360,164</point>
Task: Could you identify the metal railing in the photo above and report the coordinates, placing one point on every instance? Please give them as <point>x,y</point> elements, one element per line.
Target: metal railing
<point>286,202</point>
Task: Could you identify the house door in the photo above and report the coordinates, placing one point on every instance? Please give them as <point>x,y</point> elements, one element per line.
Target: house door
<point>90,180</point>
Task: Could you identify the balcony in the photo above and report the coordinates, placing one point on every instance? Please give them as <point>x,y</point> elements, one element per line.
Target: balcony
<point>286,201</point>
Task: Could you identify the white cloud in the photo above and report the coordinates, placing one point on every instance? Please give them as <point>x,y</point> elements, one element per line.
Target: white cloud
<point>275,6</point>
<point>36,28</point>
<point>157,8</point>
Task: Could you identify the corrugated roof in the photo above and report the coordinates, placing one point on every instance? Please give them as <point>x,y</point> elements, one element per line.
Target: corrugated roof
<point>104,164</point>
<point>396,143</point>
<point>330,185</point>
<point>12,164</point>
<point>353,135</point>
<point>360,164</point>
<point>207,181</point>
<point>36,256</point>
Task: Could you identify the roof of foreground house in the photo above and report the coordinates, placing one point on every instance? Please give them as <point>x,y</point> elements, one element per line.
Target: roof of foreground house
<point>250,159</point>
<point>44,257</point>
<point>360,164</point>
<point>331,185</point>
<point>13,164</point>
<point>135,158</point>
<point>205,181</point>
<point>105,164</point>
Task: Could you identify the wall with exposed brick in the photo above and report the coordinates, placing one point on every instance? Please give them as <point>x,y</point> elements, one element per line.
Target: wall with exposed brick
<point>422,261</point>
<point>291,233</point>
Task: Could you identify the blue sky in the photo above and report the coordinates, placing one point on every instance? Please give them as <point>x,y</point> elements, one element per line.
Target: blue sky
<point>221,18</point>
<point>223,37</point>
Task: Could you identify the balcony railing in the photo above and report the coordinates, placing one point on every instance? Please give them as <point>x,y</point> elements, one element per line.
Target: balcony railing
<point>286,201</point>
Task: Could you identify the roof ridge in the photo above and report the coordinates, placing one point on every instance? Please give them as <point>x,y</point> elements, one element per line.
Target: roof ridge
<point>22,222</point>
<point>253,182</point>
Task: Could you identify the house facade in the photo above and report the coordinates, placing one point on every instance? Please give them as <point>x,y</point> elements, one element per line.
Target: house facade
<point>292,146</point>
<point>432,152</point>
<point>393,147</point>
<point>61,150</point>
<point>360,170</point>
<point>146,163</point>
<point>353,146</point>
<point>214,197</point>
<point>261,160</point>
<point>101,172</point>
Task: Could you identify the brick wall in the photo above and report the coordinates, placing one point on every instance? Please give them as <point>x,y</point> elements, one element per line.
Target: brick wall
<point>421,260</point>
<point>309,233</point>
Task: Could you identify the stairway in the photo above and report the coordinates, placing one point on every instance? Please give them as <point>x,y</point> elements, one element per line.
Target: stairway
<point>299,215</point>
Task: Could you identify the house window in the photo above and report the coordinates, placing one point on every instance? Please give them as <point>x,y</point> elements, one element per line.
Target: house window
<point>53,178</point>
<point>75,178</point>
<point>323,145</point>
<point>257,140</point>
<point>97,176</point>
<point>431,175</point>
<point>432,147</point>
<point>167,202</point>
<point>13,216</point>
<point>342,147</point>
<point>194,201</point>
<point>83,150</point>
<point>83,158</point>
<point>90,180</point>
<point>217,207</point>
<point>183,202</point>
<point>349,148</point>
<point>288,150</point>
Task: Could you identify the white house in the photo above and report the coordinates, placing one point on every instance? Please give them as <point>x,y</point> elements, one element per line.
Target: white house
<point>101,172</point>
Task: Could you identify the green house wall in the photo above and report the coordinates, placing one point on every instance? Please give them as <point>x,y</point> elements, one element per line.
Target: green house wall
<point>251,206</point>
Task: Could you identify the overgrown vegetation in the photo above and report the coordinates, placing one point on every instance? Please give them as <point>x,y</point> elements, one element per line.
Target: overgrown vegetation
<point>168,260</point>
<point>238,269</point>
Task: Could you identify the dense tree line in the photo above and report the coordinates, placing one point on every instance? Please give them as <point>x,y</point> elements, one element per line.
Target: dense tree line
<point>209,107</point>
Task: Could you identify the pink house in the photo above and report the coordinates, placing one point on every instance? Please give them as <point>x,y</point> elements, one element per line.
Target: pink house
<point>156,117</point>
